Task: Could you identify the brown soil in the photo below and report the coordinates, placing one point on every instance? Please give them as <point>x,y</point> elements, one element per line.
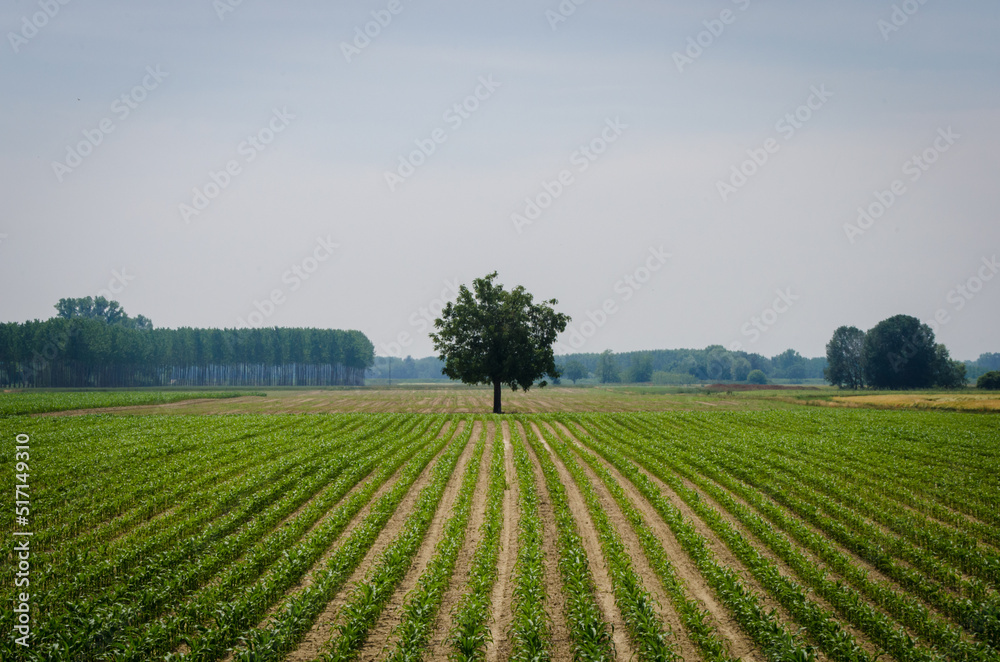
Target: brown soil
<point>874,574</point>
<point>312,644</point>
<point>503,593</point>
<point>604,589</point>
<point>783,568</point>
<point>561,645</point>
<point>473,536</point>
<point>640,563</point>
<point>723,554</point>
<point>381,636</point>
<point>740,645</point>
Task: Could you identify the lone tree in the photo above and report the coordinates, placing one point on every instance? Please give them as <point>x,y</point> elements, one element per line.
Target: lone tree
<point>845,367</point>
<point>492,336</point>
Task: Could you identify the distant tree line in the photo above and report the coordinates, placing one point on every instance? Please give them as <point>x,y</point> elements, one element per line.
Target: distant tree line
<point>92,342</point>
<point>664,366</point>
<point>897,353</point>
<point>987,362</point>
<point>689,366</point>
<point>409,368</point>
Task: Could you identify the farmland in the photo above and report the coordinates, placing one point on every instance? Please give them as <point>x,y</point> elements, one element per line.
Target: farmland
<point>707,533</point>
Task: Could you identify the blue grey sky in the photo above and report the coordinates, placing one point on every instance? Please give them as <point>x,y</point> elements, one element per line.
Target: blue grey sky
<point>676,174</point>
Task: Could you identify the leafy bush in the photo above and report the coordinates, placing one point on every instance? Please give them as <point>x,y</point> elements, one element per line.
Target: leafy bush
<point>756,377</point>
<point>989,381</point>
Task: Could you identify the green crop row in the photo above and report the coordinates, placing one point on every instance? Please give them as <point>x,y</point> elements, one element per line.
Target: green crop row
<point>530,629</point>
<point>589,632</point>
<point>470,630</point>
<point>650,638</point>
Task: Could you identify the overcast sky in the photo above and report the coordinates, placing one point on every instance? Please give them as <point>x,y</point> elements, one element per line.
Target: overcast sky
<point>676,174</point>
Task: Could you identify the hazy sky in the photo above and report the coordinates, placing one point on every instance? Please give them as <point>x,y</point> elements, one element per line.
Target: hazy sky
<point>677,174</point>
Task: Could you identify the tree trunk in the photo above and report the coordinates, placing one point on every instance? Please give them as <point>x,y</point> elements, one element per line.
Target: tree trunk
<point>496,397</point>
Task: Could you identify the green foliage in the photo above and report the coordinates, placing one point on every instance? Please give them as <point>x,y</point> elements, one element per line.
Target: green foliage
<point>641,369</point>
<point>493,336</point>
<point>589,632</point>
<point>607,368</point>
<point>100,308</point>
<point>875,533</point>
<point>90,352</point>
<point>470,631</point>
<point>948,373</point>
<point>530,629</point>
<point>844,354</point>
<point>756,377</point>
<point>899,353</point>
<point>714,362</point>
<point>741,369</point>
<point>574,370</point>
<point>989,381</point>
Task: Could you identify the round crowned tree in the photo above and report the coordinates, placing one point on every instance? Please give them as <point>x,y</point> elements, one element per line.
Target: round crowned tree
<point>493,336</point>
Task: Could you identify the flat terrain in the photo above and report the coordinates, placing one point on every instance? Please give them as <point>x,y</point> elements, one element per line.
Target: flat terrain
<point>460,400</point>
<point>953,401</point>
<point>728,526</point>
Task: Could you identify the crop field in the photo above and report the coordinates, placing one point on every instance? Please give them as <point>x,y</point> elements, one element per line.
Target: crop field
<point>780,534</point>
<point>38,402</point>
<point>460,400</point>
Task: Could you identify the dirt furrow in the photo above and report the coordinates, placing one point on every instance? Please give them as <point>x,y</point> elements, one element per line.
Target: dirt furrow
<point>598,567</point>
<point>381,635</point>
<point>442,624</point>
<point>503,593</point>
<point>641,564</point>
<point>873,573</point>
<point>740,644</point>
<point>722,553</point>
<point>311,645</point>
<point>783,568</point>
<point>561,645</point>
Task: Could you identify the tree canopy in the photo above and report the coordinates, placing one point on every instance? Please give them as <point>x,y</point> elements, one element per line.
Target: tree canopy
<point>490,335</point>
<point>573,370</point>
<point>989,381</point>
<point>845,367</point>
<point>897,353</point>
<point>81,347</point>
<point>100,309</point>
